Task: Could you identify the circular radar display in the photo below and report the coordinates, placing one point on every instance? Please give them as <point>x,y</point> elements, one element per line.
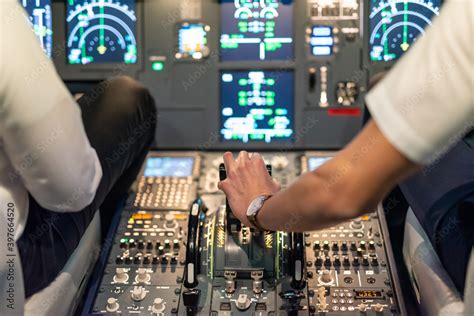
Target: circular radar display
<point>101,31</point>
<point>395,25</point>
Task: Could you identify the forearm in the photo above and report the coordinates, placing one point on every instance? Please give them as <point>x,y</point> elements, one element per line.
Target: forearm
<point>349,185</point>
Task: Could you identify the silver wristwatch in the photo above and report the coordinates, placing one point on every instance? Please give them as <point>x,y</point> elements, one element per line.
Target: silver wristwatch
<point>254,208</point>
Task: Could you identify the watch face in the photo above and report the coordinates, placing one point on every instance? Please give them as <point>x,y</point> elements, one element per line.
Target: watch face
<point>255,206</point>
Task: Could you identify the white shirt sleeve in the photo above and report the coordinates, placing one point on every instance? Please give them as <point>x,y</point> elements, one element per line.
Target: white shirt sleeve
<point>426,102</point>
<point>40,123</point>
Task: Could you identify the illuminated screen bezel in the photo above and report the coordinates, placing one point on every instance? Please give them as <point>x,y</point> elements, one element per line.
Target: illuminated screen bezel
<point>368,45</point>
<point>191,159</point>
<point>104,66</point>
<point>293,37</point>
<point>289,139</point>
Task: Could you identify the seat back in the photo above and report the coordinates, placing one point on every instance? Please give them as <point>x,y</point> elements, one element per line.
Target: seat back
<point>61,296</point>
<point>435,291</point>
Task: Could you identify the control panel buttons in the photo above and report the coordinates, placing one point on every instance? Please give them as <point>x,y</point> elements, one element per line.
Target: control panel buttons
<point>112,305</point>
<point>138,293</point>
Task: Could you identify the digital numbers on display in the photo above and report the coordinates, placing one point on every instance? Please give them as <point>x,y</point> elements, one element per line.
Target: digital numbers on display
<point>256,105</point>
<point>395,25</point>
<point>101,31</point>
<point>39,14</point>
<point>256,30</point>
<point>368,294</point>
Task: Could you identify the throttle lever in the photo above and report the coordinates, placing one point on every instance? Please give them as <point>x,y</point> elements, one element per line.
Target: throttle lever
<point>191,266</point>
<point>298,261</point>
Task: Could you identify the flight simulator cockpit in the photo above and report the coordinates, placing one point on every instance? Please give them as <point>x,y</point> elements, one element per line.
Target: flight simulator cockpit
<point>286,78</point>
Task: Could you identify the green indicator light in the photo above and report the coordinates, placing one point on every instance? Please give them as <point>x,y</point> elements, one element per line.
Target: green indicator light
<point>269,34</point>
<point>281,111</point>
<point>242,102</point>
<point>270,101</point>
<point>242,94</point>
<point>271,121</point>
<point>242,82</point>
<point>157,66</point>
<point>270,93</point>
<point>268,111</point>
<point>270,82</point>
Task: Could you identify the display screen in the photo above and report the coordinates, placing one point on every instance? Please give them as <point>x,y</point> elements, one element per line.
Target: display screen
<point>101,31</point>
<point>39,14</point>
<point>257,105</point>
<point>256,30</point>
<point>368,294</point>
<point>321,40</point>
<point>192,41</point>
<point>316,162</point>
<point>169,167</point>
<point>395,25</point>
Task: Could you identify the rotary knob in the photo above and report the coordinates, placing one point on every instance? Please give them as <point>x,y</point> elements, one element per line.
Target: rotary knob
<point>167,243</point>
<point>121,275</point>
<point>112,305</point>
<point>375,261</point>
<point>365,260</point>
<point>378,308</point>
<point>170,222</point>
<point>355,261</point>
<point>326,245</point>
<point>327,261</point>
<point>317,245</point>
<point>161,250</point>
<point>372,245</point>
<point>318,261</point>
<point>335,246</point>
<point>138,293</point>
<point>344,246</point>
<point>326,276</point>
<point>353,246</point>
<point>158,306</point>
<point>356,224</point>
<point>142,275</point>
<point>362,244</point>
<point>176,244</point>
<point>345,261</point>
<point>337,261</point>
<point>362,307</point>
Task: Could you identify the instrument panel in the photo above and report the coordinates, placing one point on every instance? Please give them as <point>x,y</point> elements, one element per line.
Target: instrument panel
<point>194,260</point>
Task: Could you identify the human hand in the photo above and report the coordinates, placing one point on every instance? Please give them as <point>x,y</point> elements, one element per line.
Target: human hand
<point>247,178</point>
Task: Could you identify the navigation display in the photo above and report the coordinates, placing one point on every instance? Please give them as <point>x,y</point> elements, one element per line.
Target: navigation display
<point>256,30</point>
<point>257,105</point>
<point>394,25</point>
<point>101,31</point>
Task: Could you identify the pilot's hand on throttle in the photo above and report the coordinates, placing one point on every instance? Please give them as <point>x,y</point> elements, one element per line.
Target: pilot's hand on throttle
<point>247,178</point>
